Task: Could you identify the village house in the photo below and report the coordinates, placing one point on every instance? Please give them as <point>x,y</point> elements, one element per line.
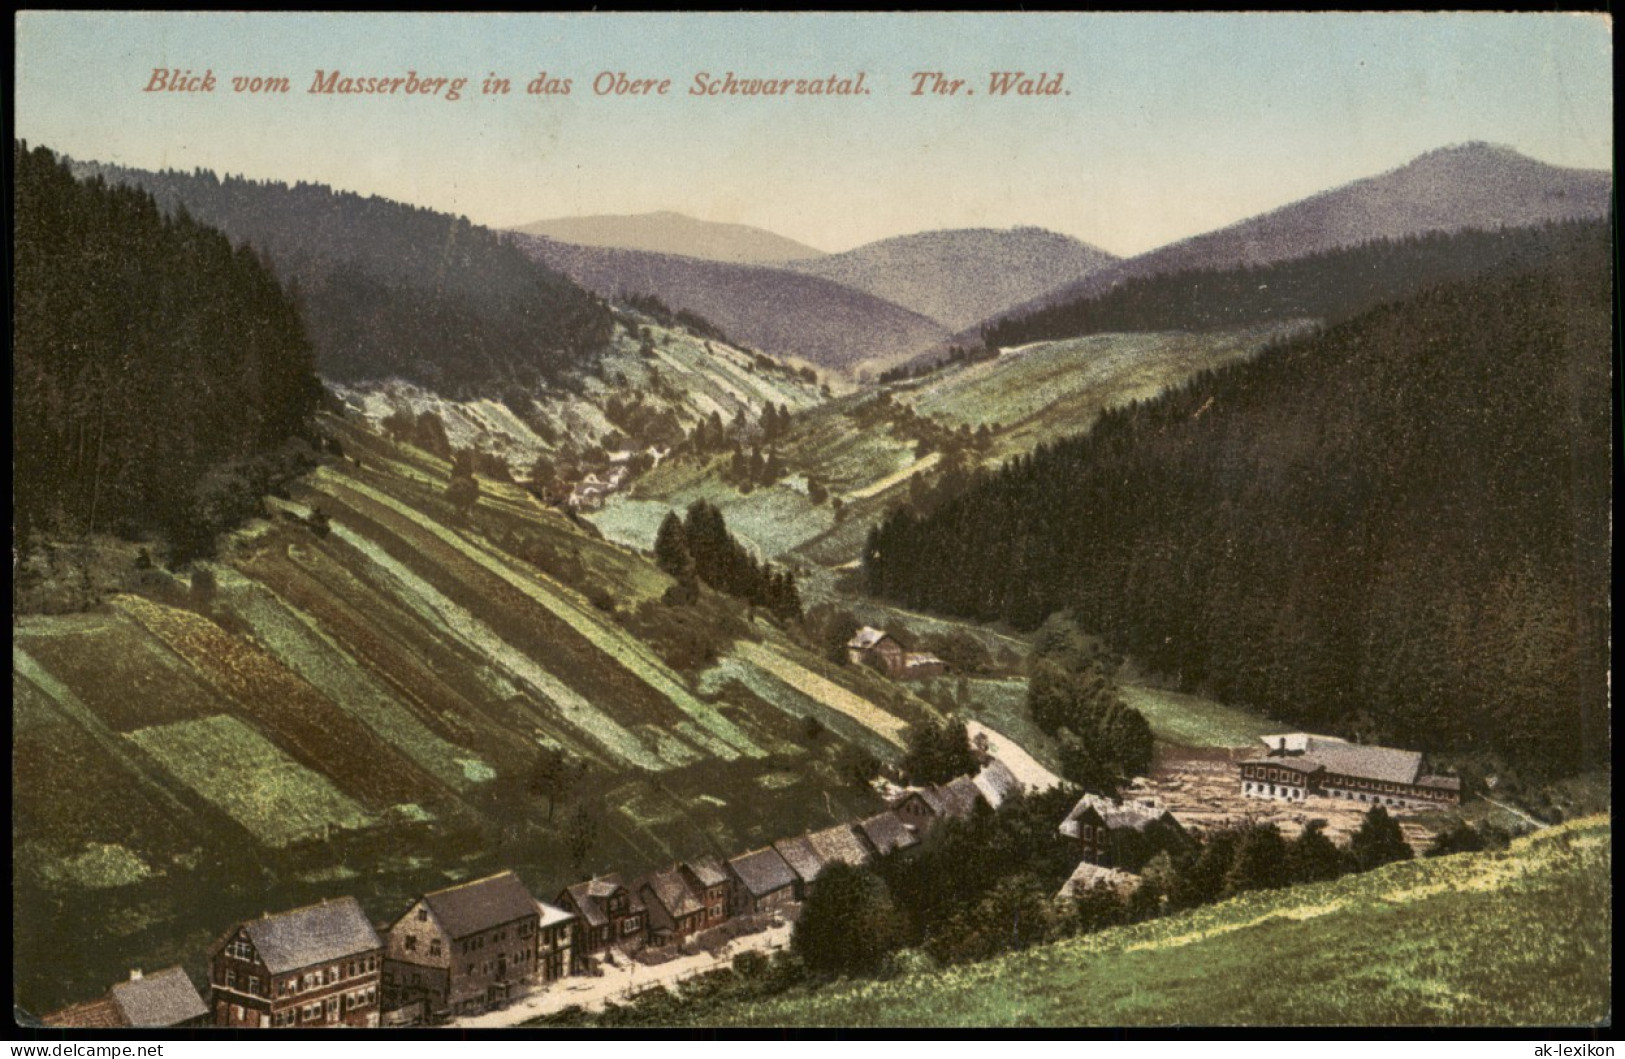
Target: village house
<point>922,807</point>
<point>313,966</point>
<point>1088,876</point>
<point>886,833</point>
<point>799,854</point>
<point>555,935</point>
<point>997,784</point>
<point>708,878</point>
<point>611,915</point>
<point>878,648</point>
<point>871,646</point>
<point>165,999</point>
<point>922,665</point>
<point>1297,766</point>
<point>1122,834</point>
<point>460,949</point>
<point>676,910</point>
<point>762,882</point>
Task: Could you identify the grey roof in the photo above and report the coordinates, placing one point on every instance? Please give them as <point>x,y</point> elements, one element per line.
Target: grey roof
<point>1307,752</point>
<point>314,934</point>
<point>762,872</point>
<point>708,871</point>
<point>1367,762</point>
<point>841,843</point>
<point>1114,815</point>
<point>548,915</point>
<point>590,896</point>
<point>1447,783</point>
<point>163,998</point>
<point>592,913</point>
<point>929,795</point>
<point>887,832</point>
<point>921,658</point>
<point>958,797</point>
<point>866,637</point>
<point>471,907</point>
<point>997,783</point>
<point>799,853</point>
<point>1087,876</point>
<point>671,893</point>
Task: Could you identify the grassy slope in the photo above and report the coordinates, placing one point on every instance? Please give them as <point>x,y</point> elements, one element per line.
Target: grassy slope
<point>1045,392</point>
<point>388,680</point>
<point>1521,937</point>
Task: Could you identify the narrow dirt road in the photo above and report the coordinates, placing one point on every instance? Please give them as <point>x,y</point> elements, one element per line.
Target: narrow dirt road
<point>620,984</point>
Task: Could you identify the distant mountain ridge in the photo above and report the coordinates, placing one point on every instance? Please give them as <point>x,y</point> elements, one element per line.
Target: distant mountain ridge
<point>778,311</point>
<point>1472,185</point>
<point>960,276</point>
<point>666,232</point>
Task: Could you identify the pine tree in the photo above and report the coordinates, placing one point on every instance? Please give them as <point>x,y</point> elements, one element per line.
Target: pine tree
<point>1379,841</point>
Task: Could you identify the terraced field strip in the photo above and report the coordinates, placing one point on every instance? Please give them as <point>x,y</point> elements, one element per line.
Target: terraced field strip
<point>303,721</point>
<point>306,649</point>
<point>823,691</point>
<point>896,477</point>
<point>425,670</point>
<point>485,642</point>
<point>726,741</point>
<point>62,698</point>
<point>128,679</point>
<point>236,768</point>
<point>779,695</point>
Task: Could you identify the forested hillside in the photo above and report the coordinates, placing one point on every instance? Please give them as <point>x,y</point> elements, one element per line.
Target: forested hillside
<point>1332,285</point>
<point>1397,528</point>
<point>158,370</point>
<point>391,290</point>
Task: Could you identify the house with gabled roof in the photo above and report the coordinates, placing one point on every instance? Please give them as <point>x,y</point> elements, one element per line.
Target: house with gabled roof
<point>841,844</point>
<point>886,833</point>
<point>709,878</point>
<point>1123,834</point>
<point>1087,876</point>
<point>762,882</point>
<point>312,966</point>
<point>165,999</point>
<point>798,852</point>
<point>464,947</point>
<point>676,910</point>
<point>876,647</point>
<point>997,784</point>
<point>610,913</point>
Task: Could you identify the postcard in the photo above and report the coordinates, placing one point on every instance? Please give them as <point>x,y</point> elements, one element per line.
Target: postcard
<point>811,520</point>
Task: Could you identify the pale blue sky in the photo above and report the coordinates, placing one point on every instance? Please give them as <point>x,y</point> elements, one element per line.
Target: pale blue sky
<point>1175,124</point>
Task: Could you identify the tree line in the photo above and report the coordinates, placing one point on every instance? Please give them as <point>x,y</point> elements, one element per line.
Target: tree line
<point>1331,286</point>
<point>160,372</point>
<point>700,548</point>
<point>1396,529</point>
<point>392,290</point>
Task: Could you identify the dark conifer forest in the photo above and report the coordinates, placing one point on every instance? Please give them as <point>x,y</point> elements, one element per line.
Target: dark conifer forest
<point>1396,528</point>
<point>392,290</point>
<point>159,372</point>
<point>1331,286</point>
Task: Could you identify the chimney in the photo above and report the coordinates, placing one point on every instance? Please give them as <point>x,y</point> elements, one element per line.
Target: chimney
<point>135,974</point>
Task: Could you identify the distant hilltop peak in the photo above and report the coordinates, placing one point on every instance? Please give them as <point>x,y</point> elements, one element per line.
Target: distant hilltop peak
<point>669,232</point>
